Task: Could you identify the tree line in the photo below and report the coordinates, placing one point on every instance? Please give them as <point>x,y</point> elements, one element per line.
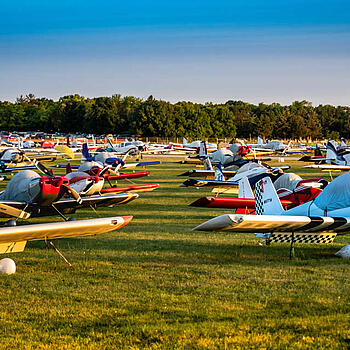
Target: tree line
<point>152,117</point>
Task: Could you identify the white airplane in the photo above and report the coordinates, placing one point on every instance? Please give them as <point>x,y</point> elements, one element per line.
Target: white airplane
<point>274,145</point>
<point>130,147</point>
<point>318,221</point>
<point>334,160</point>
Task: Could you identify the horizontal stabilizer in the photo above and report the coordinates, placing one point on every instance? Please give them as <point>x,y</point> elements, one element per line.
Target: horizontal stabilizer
<point>12,247</point>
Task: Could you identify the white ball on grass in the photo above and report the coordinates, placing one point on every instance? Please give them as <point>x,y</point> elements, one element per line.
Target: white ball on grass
<point>7,266</point>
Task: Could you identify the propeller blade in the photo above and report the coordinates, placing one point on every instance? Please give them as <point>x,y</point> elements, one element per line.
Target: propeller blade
<point>87,188</point>
<point>18,213</point>
<point>72,193</point>
<point>42,168</point>
<point>124,158</point>
<point>104,170</point>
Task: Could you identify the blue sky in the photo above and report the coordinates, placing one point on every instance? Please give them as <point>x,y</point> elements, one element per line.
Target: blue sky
<point>256,51</point>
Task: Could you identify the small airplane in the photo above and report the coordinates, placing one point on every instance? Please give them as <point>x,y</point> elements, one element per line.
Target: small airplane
<point>274,145</point>
<point>29,194</point>
<point>195,145</point>
<point>87,184</point>
<point>334,159</point>
<point>291,189</point>
<point>103,159</point>
<point>15,156</point>
<point>131,147</point>
<point>223,157</point>
<point>317,221</point>
<point>253,171</point>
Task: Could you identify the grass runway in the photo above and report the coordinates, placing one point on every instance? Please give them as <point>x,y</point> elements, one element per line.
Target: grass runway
<point>155,284</point>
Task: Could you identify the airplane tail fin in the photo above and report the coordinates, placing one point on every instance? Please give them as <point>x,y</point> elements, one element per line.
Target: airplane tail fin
<point>287,147</point>
<point>343,143</point>
<point>85,152</point>
<point>317,151</point>
<point>207,164</point>
<point>122,163</point>
<point>110,144</point>
<point>260,141</point>
<point>20,143</point>
<point>203,155</point>
<point>203,150</point>
<point>68,168</point>
<point>331,151</point>
<point>244,188</point>
<point>266,198</point>
<point>184,141</point>
<point>219,175</point>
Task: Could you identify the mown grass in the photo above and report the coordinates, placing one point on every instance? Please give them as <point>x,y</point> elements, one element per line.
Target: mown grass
<point>156,284</point>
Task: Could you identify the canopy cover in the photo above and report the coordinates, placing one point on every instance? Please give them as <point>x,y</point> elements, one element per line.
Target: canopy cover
<point>336,195</point>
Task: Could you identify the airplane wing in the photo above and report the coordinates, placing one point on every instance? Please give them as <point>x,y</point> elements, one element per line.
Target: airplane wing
<point>204,173</point>
<point>134,165</point>
<point>327,167</point>
<point>13,239</point>
<point>127,175</point>
<point>18,168</point>
<point>312,159</point>
<point>274,223</point>
<point>70,205</point>
<point>65,150</point>
<point>209,183</point>
<point>73,166</point>
<point>132,188</point>
<point>48,158</point>
<point>65,205</point>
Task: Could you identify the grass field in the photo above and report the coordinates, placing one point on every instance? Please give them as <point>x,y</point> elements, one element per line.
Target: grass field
<point>155,284</point>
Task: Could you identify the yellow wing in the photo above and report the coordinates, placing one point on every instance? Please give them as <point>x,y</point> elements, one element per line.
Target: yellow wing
<point>65,150</point>
<point>13,239</point>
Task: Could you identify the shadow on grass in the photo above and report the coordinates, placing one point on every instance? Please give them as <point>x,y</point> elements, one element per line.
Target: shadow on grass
<point>193,252</point>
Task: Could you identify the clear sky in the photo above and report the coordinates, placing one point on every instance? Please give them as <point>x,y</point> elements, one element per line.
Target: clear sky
<point>193,50</point>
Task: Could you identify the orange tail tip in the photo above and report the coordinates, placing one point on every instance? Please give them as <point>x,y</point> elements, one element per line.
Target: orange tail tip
<point>126,219</point>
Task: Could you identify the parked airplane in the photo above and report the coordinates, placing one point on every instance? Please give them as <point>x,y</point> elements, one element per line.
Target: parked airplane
<point>334,159</point>
<point>253,171</point>
<point>292,190</point>
<point>103,159</point>
<point>318,221</point>
<point>29,194</point>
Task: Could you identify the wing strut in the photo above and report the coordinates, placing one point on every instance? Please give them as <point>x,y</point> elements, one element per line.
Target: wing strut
<point>60,255</point>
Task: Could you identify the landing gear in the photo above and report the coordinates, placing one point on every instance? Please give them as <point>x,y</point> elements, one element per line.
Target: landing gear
<point>291,250</point>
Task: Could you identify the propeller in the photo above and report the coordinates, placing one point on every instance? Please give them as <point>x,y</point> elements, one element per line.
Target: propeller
<point>72,193</point>
<point>104,170</point>
<point>87,188</point>
<point>44,170</point>
<point>124,158</point>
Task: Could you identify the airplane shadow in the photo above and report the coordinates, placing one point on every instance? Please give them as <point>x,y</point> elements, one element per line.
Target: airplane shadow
<point>194,252</point>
